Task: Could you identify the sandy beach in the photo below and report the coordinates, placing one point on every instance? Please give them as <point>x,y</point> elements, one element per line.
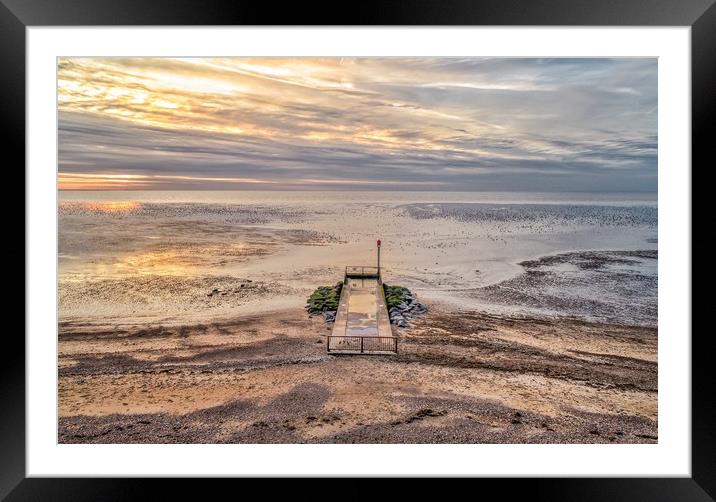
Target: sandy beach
<point>182,320</point>
<point>459,378</point>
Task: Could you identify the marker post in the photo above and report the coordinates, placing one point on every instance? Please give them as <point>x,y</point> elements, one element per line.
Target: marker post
<point>378,256</point>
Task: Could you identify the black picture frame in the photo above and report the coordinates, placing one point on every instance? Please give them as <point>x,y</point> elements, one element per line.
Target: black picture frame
<point>700,15</point>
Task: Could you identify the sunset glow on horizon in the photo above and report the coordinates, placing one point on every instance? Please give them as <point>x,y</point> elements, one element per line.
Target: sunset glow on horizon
<point>357,123</point>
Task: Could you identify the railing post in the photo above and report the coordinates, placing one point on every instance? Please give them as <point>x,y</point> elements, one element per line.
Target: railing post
<point>361,344</point>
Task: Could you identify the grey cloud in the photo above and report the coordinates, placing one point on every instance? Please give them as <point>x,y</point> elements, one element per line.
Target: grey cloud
<point>542,124</point>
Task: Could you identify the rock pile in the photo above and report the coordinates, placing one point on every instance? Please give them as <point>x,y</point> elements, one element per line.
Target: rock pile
<point>324,300</point>
<point>402,305</point>
<point>406,311</point>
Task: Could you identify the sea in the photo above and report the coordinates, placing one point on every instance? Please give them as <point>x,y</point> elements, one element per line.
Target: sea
<point>591,256</point>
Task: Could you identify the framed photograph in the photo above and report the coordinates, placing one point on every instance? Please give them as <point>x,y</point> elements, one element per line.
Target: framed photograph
<point>446,239</point>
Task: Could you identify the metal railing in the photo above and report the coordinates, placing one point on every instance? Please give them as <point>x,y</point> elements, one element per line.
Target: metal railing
<point>361,271</point>
<point>362,344</point>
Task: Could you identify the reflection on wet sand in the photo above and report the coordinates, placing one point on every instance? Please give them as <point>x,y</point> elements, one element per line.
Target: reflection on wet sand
<point>108,207</point>
<point>178,260</point>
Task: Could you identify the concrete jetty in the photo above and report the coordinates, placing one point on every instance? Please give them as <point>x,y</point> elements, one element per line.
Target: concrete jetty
<point>362,324</point>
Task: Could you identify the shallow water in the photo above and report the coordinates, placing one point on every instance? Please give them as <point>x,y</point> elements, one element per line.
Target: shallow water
<point>477,250</point>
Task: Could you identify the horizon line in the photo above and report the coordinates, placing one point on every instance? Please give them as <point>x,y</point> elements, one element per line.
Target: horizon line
<point>342,189</point>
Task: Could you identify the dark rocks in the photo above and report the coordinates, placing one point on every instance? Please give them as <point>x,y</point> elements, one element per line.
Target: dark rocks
<point>408,308</point>
<point>425,412</point>
<point>419,415</point>
<point>399,321</point>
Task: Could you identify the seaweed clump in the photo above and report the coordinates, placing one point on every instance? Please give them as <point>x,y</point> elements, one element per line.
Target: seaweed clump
<point>324,300</point>
<point>395,295</point>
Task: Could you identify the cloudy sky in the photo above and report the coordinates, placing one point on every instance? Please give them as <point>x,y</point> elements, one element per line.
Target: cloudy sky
<point>358,123</point>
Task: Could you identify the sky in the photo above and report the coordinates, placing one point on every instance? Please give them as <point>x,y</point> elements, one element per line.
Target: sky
<point>452,124</point>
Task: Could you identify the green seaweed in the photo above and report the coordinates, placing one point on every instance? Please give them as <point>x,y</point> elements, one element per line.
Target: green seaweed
<point>324,298</point>
<point>394,295</point>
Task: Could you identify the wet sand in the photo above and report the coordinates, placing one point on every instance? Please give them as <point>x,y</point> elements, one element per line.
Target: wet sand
<point>460,377</point>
